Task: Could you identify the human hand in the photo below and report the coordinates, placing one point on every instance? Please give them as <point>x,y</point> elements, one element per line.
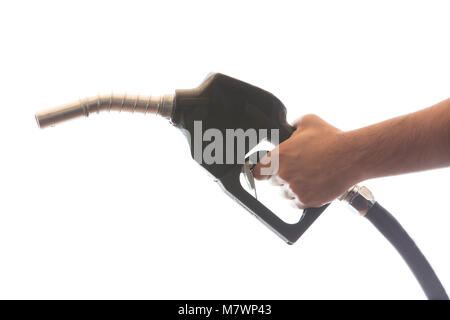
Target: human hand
<point>315,164</point>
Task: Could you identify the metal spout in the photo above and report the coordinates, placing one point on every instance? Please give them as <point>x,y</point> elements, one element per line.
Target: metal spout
<point>160,105</point>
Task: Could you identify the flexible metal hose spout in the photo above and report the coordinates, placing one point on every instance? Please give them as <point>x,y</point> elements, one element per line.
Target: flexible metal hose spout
<point>160,105</point>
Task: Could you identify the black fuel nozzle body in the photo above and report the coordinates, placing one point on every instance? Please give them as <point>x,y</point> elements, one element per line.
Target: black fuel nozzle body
<point>228,105</point>
<point>219,105</point>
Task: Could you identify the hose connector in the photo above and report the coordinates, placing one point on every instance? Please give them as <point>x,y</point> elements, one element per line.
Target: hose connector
<point>359,198</point>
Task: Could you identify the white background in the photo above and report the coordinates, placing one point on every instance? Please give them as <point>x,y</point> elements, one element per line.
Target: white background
<point>114,207</point>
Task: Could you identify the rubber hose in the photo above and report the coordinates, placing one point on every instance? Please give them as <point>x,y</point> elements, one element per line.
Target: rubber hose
<point>402,242</point>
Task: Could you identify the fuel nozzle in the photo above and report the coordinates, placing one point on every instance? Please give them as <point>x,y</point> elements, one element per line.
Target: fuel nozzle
<point>160,105</point>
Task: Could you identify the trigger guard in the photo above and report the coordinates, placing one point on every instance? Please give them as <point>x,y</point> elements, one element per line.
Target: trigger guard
<point>290,233</point>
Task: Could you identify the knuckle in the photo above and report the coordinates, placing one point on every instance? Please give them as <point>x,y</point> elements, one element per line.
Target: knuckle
<point>308,119</point>
<point>305,197</point>
<point>298,190</point>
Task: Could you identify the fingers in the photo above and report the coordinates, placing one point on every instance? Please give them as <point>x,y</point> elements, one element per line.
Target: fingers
<point>275,180</point>
<point>297,204</point>
<point>264,171</point>
<point>285,189</point>
<point>287,193</point>
<point>290,195</point>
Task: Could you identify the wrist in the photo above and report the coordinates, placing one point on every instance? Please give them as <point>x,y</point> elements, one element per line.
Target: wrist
<point>355,146</point>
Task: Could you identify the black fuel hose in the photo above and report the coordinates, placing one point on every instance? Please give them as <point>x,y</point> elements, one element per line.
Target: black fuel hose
<point>409,251</point>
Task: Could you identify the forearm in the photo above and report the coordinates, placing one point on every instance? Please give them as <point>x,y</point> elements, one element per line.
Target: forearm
<point>319,162</point>
<point>413,142</point>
